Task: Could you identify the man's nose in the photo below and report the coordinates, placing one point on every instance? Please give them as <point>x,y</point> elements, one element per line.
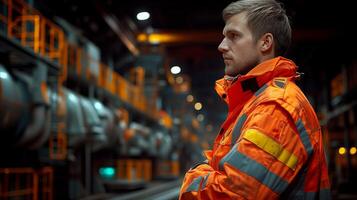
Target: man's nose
<point>223,46</point>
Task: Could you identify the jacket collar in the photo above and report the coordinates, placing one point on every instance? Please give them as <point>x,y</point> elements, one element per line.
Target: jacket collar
<point>236,91</point>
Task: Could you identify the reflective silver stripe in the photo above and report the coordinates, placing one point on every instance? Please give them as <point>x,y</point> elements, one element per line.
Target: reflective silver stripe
<point>257,93</point>
<point>279,84</point>
<point>304,137</point>
<point>323,194</point>
<point>309,195</point>
<point>298,192</point>
<point>295,190</point>
<point>237,129</point>
<point>205,181</point>
<point>254,169</point>
<point>195,185</point>
<point>227,157</point>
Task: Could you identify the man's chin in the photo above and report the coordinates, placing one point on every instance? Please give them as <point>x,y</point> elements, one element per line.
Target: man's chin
<point>229,72</point>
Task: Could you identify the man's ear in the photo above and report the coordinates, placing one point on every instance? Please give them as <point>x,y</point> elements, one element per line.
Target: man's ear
<point>266,42</point>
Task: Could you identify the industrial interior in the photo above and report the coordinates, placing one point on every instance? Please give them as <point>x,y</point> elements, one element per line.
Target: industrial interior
<point>105,99</point>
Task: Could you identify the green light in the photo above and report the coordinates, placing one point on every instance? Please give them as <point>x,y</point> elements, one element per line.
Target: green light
<point>107,172</point>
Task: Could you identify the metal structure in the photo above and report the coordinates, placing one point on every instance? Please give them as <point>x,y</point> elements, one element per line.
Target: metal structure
<point>43,113</point>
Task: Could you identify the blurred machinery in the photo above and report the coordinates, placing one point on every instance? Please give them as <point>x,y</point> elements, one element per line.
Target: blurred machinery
<point>70,125</point>
<point>25,114</point>
<point>73,125</point>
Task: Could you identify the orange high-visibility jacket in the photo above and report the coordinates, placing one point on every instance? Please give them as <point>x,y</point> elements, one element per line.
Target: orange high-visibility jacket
<point>269,147</point>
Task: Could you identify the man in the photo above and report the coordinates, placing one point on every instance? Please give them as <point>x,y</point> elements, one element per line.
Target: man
<point>270,146</point>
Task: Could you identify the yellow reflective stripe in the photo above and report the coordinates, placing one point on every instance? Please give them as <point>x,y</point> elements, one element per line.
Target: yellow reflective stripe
<point>271,146</point>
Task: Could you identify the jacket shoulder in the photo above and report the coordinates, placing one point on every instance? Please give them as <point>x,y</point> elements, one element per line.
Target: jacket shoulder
<point>289,96</point>
<point>282,88</point>
<point>272,90</point>
<point>285,92</point>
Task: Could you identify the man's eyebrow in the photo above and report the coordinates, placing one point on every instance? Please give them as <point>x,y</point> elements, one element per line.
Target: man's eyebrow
<point>226,31</point>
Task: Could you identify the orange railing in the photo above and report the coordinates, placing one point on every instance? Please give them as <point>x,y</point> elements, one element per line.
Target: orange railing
<point>26,29</point>
<point>29,27</point>
<point>46,183</point>
<point>134,169</point>
<point>58,138</point>
<point>33,30</point>
<point>167,168</point>
<point>18,182</point>
<point>26,183</point>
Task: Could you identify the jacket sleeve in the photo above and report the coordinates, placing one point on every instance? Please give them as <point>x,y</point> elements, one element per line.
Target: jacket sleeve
<point>260,165</point>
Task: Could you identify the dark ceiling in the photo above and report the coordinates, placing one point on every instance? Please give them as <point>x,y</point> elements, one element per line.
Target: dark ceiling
<point>322,36</point>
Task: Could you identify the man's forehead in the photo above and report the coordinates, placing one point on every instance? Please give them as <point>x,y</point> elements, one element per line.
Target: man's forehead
<point>230,28</point>
<point>235,23</point>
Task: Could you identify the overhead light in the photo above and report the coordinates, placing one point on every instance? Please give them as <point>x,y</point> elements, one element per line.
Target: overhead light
<point>342,150</point>
<point>198,106</point>
<point>175,69</point>
<point>353,150</point>
<point>143,16</point>
<point>189,98</point>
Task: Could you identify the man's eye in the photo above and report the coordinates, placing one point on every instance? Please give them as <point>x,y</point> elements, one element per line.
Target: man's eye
<point>233,36</point>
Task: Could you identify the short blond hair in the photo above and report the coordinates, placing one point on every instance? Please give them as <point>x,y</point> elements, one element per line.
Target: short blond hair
<point>264,16</point>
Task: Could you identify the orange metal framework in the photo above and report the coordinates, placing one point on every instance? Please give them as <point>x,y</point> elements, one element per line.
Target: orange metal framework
<point>26,183</point>
<point>134,169</point>
<point>11,179</point>
<point>46,183</point>
<point>58,140</point>
<point>168,168</point>
<point>34,31</point>
<point>26,25</point>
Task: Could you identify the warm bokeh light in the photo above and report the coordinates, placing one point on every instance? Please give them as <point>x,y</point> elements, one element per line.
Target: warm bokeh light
<point>342,150</point>
<point>353,150</point>
<point>179,80</point>
<point>189,98</point>
<point>198,106</point>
